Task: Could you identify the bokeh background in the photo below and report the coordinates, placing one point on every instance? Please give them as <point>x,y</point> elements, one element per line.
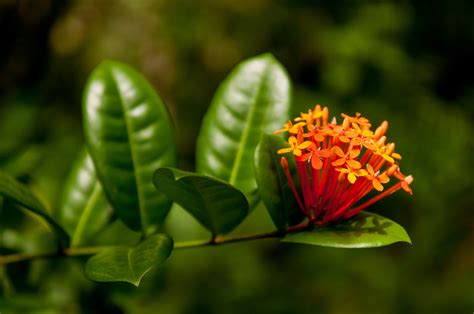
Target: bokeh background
<point>408,62</point>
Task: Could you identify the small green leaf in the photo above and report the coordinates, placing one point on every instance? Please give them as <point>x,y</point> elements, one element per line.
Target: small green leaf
<point>129,134</point>
<point>84,209</point>
<point>363,231</point>
<point>20,194</point>
<point>273,185</point>
<point>129,264</point>
<point>253,99</point>
<point>217,205</point>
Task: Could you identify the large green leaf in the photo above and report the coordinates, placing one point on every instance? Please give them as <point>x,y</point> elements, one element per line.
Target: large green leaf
<point>363,231</point>
<point>129,264</point>
<point>84,209</point>
<point>273,185</point>
<point>129,135</point>
<point>20,194</point>
<point>216,204</point>
<point>253,99</point>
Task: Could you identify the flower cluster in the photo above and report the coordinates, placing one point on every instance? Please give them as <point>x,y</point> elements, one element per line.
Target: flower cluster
<point>339,164</point>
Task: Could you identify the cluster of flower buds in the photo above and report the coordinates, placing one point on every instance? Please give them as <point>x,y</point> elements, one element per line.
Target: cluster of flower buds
<point>339,164</point>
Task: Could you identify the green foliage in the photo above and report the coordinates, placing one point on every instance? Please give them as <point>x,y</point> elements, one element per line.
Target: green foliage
<point>255,98</point>
<point>20,194</point>
<point>129,135</point>
<point>84,209</point>
<point>216,204</point>
<point>389,60</point>
<point>129,264</point>
<point>363,231</point>
<point>273,185</point>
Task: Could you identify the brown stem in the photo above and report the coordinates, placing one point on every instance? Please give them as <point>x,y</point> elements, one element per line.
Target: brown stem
<point>84,251</point>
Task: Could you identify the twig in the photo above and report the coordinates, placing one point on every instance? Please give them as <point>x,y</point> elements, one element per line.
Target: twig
<point>84,251</point>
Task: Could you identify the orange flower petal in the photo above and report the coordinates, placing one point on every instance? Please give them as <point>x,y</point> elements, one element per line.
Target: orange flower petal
<point>388,158</point>
<point>292,141</point>
<point>396,156</point>
<point>305,145</point>
<point>324,153</point>
<point>354,153</point>
<point>339,151</point>
<point>377,185</point>
<point>370,170</point>
<point>361,173</point>
<point>352,178</point>
<point>339,162</point>
<point>284,150</point>
<point>316,163</point>
<point>384,178</point>
<point>354,164</point>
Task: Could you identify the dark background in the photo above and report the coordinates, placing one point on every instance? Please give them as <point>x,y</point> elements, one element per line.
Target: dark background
<point>407,62</point>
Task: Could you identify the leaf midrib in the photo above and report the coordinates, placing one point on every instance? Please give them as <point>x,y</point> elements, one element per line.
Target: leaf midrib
<point>246,131</point>
<point>143,216</point>
<point>86,215</point>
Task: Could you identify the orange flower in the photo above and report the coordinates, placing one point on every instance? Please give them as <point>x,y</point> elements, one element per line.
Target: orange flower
<point>347,159</point>
<point>327,154</point>
<point>295,147</point>
<point>352,173</point>
<point>290,127</point>
<point>376,179</point>
<point>316,155</point>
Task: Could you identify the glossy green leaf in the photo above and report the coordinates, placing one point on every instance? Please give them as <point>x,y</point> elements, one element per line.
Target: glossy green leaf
<point>363,231</point>
<point>253,99</point>
<point>129,135</point>
<point>273,185</point>
<point>84,209</point>
<point>20,194</point>
<point>129,264</point>
<point>216,204</point>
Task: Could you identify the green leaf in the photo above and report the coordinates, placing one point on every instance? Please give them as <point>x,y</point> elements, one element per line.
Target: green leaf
<point>20,194</point>
<point>273,185</point>
<point>129,264</point>
<point>363,231</point>
<point>253,99</point>
<point>129,135</point>
<point>217,205</point>
<point>84,209</point>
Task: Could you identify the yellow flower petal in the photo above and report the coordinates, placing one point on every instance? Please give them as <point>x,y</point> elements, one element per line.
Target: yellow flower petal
<point>351,177</point>
<point>377,185</point>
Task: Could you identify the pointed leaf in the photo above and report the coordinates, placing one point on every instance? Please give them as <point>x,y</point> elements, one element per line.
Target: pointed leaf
<point>20,194</point>
<point>217,205</point>
<point>129,135</point>
<point>273,185</point>
<point>363,231</point>
<point>129,264</point>
<point>84,209</point>
<point>253,99</point>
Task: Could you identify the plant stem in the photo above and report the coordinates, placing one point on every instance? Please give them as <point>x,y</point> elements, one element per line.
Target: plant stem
<point>83,251</point>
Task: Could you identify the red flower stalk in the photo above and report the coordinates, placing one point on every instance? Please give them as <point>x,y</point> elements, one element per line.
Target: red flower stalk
<point>338,165</point>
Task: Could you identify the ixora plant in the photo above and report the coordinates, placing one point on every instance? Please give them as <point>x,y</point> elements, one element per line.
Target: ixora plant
<point>314,186</point>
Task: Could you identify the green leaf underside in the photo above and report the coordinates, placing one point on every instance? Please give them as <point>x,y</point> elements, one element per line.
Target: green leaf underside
<point>129,135</point>
<point>129,264</point>
<point>363,231</point>
<point>20,194</point>
<point>273,185</point>
<point>253,99</point>
<point>216,204</point>
<point>84,209</point>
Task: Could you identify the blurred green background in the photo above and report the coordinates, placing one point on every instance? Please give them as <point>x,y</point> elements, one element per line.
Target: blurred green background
<point>409,63</point>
